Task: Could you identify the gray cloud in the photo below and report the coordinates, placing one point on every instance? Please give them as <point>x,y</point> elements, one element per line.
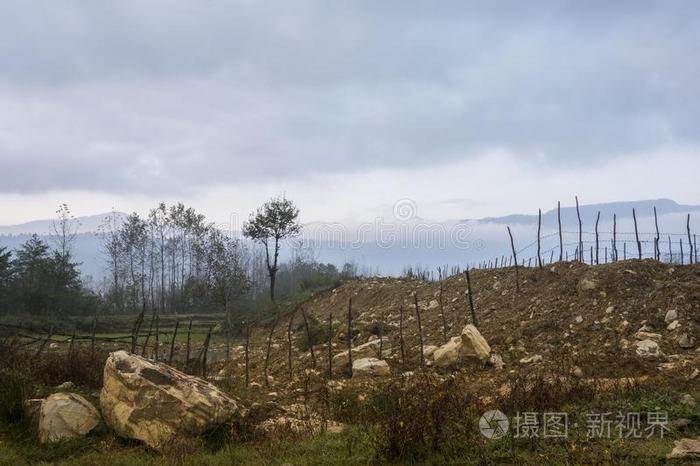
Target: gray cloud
<point>170,96</point>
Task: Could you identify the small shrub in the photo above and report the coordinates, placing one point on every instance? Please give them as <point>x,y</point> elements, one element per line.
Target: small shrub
<point>419,416</point>
<point>15,388</point>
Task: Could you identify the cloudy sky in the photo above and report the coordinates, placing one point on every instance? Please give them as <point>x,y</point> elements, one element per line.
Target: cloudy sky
<point>467,108</point>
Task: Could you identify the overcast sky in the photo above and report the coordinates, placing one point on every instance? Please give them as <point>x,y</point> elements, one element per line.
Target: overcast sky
<point>467,108</point>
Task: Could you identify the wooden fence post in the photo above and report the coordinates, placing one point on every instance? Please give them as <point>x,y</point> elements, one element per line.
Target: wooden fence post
<point>269,348</point>
<point>157,345</point>
<point>657,251</point>
<point>636,234</point>
<point>680,243</point>
<point>690,242</point>
<point>470,297</point>
<point>580,231</point>
<point>350,334</point>
<point>420,328</point>
<point>614,239</point>
<point>137,328</point>
<point>308,339</point>
<point>148,336</point>
<point>187,354</point>
<point>402,346</point>
<point>289,344</point>
<point>442,311</point>
<point>330,345</point>
<point>172,343</point>
<point>205,350</point>
<point>539,229</point>
<point>561,239</point>
<point>92,338</point>
<point>247,353</point>
<point>515,261</point>
<point>596,239</point>
<point>670,251</point>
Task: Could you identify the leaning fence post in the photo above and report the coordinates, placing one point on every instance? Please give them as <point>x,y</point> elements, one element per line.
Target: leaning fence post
<point>420,327</point>
<point>401,340</point>
<point>157,345</point>
<point>515,261</point>
<point>561,239</point>
<point>330,345</point>
<point>680,242</point>
<point>269,348</point>
<point>187,354</point>
<point>205,350</point>
<point>596,239</point>
<point>469,295</point>
<point>289,345</point>
<point>172,343</point>
<point>690,242</point>
<point>308,339</point>
<point>539,229</point>
<point>442,311</point>
<point>247,356</point>
<point>350,334</point>
<point>137,328</point>
<point>580,231</point>
<point>148,336</point>
<point>636,234</point>
<point>657,250</point>
<point>92,343</point>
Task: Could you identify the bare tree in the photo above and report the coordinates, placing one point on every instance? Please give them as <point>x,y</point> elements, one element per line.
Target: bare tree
<point>276,220</point>
<point>65,229</point>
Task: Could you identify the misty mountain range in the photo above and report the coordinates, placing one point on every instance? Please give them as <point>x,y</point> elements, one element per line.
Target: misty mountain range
<point>389,248</point>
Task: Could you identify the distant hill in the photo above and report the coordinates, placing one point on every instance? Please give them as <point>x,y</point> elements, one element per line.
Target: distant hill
<point>623,210</point>
<point>88,224</point>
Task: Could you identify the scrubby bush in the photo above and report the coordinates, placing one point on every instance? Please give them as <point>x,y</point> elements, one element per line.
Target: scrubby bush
<point>15,388</point>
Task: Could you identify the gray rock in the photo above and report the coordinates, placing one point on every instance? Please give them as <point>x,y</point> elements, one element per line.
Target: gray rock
<point>647,349</point>
<point>686,342</point>
<point>671,315</point>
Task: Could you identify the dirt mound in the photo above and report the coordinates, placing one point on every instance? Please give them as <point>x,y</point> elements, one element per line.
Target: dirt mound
<point>567,317</point>
<point>587,314</point>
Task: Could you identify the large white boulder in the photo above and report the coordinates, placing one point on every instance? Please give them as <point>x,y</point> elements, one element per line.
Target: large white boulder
<point>66,415</point>
<point>448,354</point>
<point>156,403</point>
<point>370,367</point>
<point>470,345</point>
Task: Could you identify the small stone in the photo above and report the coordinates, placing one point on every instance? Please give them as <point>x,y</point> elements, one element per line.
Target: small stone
<point>531,359</point>
<point>578,373</point>
<point>496,361</point>
<point>688,400</point>
<point>673,325</point>
<point>647,349</point>
<point>609,309</point>
<point>671,315</point>
<point>66,386</point>
<point>686,342</point>
<point>578,319</point>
